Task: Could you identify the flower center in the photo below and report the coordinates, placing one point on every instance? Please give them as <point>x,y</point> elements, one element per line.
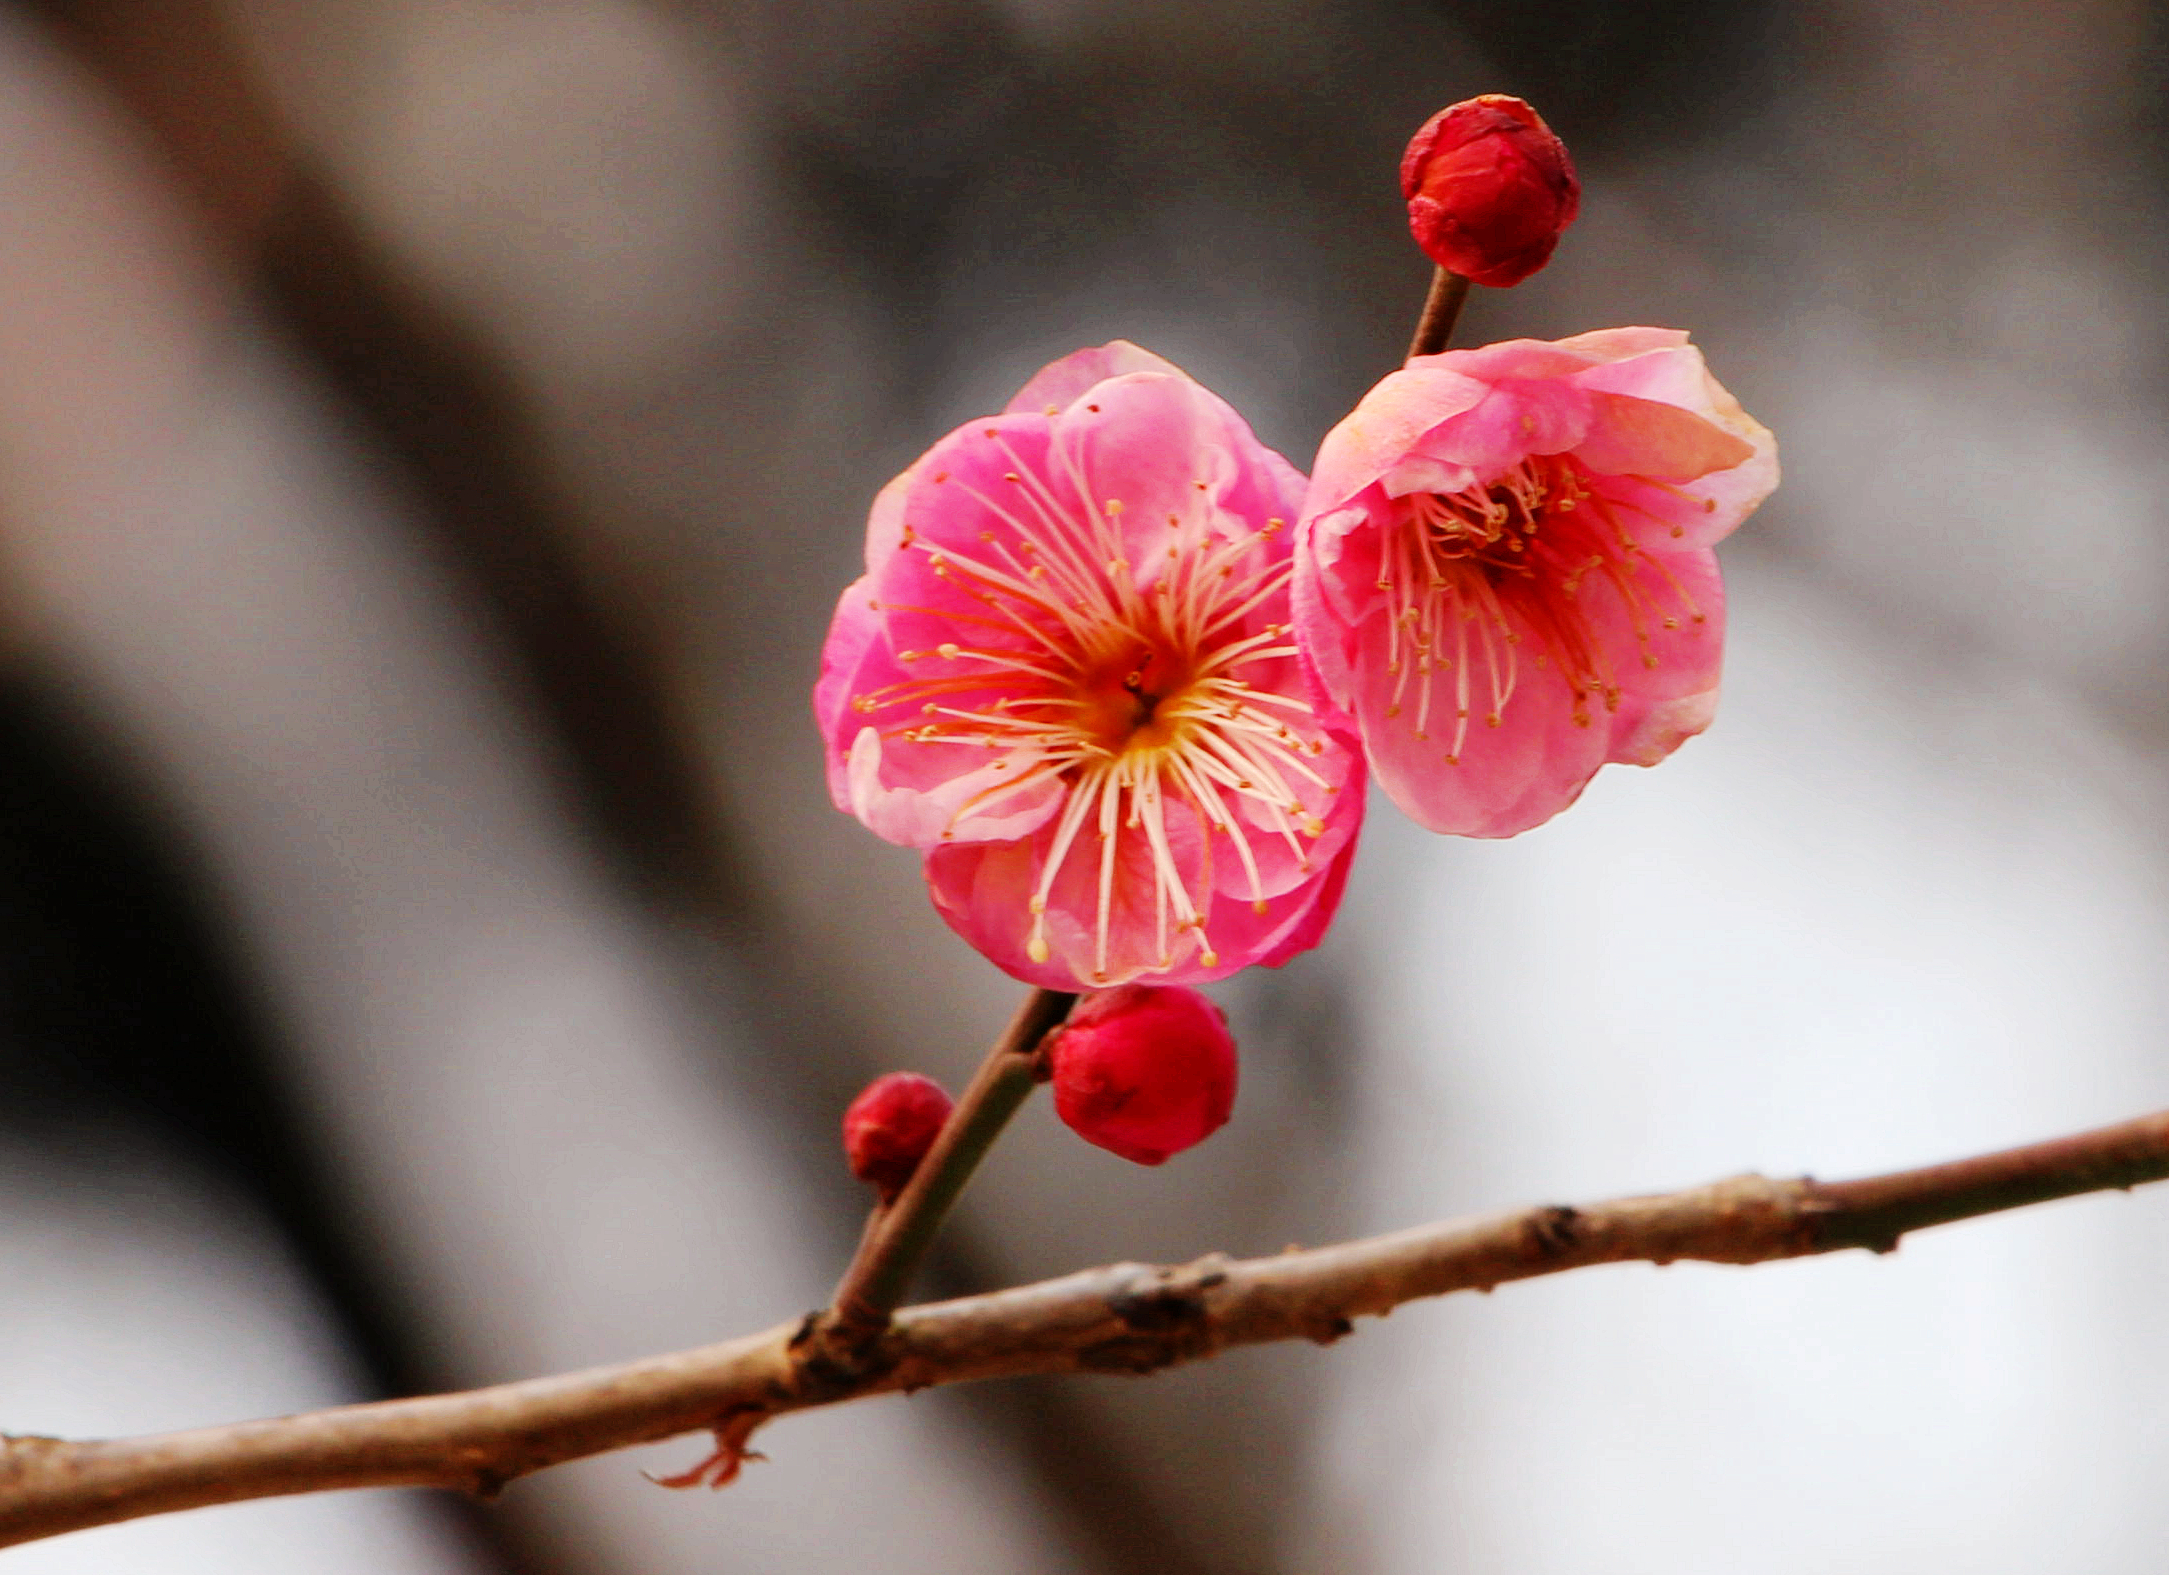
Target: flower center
<point>1137,701</point>
<point>1119,699</point>
<point>1470,576</point>
<point>1494,526</point>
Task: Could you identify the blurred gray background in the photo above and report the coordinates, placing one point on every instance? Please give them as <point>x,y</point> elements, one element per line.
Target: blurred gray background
<point>432,435</point>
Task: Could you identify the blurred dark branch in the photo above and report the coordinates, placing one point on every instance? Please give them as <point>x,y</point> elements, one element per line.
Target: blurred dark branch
<point>1123,1318</point>
<point>425,391</point>
<point>429,393</point>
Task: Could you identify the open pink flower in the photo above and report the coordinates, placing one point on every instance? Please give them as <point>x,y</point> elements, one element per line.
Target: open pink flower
<point>1504,571</point>
<point>1067,675</point>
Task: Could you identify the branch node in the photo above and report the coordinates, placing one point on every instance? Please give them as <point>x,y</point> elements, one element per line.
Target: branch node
<point>1334,1327</point>
<point>1171,1296</point>
<point>832,1356</point>
<point>1555,1229</point>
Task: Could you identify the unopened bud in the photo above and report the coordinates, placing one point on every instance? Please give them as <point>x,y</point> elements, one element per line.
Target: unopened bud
<point>1489,189</point>
<point>1144,1070</point>
<point>890,1126</point>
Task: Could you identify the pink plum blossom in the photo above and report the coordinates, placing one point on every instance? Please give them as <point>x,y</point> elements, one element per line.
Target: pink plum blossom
<point>1067,676</point>
<point>1504,572</point>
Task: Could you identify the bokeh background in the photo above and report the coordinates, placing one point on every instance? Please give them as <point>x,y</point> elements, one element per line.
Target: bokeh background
<point>432,434</point>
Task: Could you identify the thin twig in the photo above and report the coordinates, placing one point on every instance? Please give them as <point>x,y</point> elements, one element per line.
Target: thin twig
<point>1124,1318</point>
<point>899,1233</point>
<point>1441,310</point>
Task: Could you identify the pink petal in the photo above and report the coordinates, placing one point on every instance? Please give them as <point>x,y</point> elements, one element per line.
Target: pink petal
<point>885,521</point>
<point>983,891</point>
<point>970,486</point>
<point>854,628</point>
<point>1604,345</point>
<point>1311,922</point>
<point>1062,383</point>
<point>1380,432</point>
<point>1336,577</point>
<point>910,792</point>
<point>1158,448</point>
<point>1508,778</point>
<point>1537,761</point>
<point>1678,376</point>
<point>932,804</point>
<point>1512,358</point>
<point>1514,420</point>
<point>1664,703</point>
<point>1641,437</point>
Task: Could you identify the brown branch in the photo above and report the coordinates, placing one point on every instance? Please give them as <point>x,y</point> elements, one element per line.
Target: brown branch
<point>1123,1318</point>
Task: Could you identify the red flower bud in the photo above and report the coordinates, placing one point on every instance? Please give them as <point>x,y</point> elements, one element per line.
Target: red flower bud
<point>889,1128</point>
<point>1489,189</point>
<point>1144,1070</point>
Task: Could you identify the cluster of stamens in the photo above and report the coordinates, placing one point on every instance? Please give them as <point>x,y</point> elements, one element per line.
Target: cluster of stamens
<point>1130,693</point>
<point>1469,575</point>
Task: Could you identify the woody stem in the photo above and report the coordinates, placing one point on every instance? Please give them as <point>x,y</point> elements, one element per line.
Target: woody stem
<point>1441,310</point>
<point>900,1231</point>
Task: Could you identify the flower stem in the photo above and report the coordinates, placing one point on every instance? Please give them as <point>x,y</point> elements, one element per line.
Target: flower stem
<point>900,1232</point>
<point>1441,310</point>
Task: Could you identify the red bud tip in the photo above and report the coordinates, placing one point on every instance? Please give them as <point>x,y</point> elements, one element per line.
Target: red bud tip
<point>1489,189</point>
<point>1144,1070</point>
<point>889,1128</point>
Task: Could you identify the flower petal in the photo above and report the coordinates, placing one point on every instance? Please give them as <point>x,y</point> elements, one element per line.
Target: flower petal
<point>1060,384</point>
<point>1381,431</point>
